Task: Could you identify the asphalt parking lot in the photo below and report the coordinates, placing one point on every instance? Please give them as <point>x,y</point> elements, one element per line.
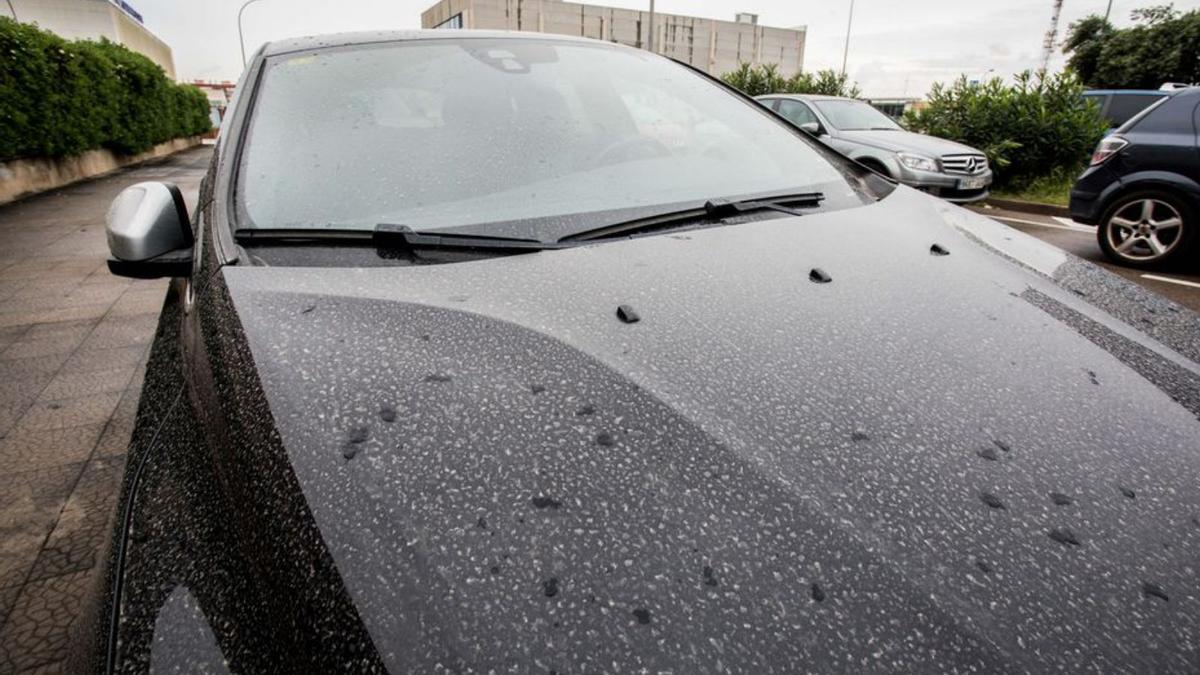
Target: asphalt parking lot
<point>1180,285</point>
<point>73,345</point>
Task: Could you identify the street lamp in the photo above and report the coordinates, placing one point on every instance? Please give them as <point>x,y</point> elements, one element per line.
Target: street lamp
<point>241,41</point>
<point>846,50</point>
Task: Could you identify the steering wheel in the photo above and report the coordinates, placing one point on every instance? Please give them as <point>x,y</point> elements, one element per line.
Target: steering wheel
<point>630,148</point>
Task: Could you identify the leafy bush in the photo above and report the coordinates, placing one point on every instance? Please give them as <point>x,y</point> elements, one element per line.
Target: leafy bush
<point>1163,46</point>
<point>765,79</point>
<point>60,97</point>
<point>1037,126</point>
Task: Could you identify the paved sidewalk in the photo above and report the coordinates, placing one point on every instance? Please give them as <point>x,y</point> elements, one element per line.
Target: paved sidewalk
<point>73,347</point>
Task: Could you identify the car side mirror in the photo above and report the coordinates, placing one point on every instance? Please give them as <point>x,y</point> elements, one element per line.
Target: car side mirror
<point>149,234</point>
<point>813,128</point>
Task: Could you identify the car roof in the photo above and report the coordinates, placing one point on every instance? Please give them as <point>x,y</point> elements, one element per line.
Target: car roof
<point>1138,92</point>
<point>310,42</point>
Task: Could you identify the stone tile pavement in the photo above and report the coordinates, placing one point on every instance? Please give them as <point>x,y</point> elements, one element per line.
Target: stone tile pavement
<point>73,346</point>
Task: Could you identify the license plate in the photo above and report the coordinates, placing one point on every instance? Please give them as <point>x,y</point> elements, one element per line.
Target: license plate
<point>971,183</point>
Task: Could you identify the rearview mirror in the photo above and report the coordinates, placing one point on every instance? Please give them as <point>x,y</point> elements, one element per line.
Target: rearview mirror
<point>813,128</point>
<point>149,235</point>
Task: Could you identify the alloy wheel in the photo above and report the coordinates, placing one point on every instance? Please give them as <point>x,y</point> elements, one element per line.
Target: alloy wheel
<point>1144,229</point>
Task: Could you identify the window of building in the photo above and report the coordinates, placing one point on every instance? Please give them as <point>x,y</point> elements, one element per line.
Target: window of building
<point>455,21</point>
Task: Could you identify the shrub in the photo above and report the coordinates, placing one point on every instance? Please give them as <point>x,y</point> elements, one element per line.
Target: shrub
<point>60,97</point>
<point>765,79</point>
<point>1037,126</point>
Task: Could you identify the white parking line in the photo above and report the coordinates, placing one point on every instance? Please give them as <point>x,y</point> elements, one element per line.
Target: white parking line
<point>1073,227</point>
<point>1169,280</point>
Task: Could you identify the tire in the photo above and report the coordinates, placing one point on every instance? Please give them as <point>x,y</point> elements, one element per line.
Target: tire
<point>1145,237</point>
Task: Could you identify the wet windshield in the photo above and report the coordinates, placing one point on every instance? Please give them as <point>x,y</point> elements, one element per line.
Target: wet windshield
<point>855,116</point>
<point>506,136</point>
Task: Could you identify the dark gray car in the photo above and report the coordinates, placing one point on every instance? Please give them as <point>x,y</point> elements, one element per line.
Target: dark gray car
<point>953,171</point>
<point>517,353</point>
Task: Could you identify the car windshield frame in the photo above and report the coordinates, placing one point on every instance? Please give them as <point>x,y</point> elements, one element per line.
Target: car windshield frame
<point>820,105</point>
<point>845,172</point>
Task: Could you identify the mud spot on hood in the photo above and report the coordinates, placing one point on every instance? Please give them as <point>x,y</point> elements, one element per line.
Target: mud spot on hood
<point>1065,536</point>
<point>1151,590</point>
<point>991,500</point>
<point>545,503</point>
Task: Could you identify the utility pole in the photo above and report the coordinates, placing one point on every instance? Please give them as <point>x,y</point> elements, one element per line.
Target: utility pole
<point>14,12</point>
<point>846,50</point>
<point>650,37</point>
<point>1108,11</point>
<point>1052,36</point>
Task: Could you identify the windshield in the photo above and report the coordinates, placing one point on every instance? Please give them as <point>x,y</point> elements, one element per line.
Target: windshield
<point>855,116</point>
<point>533,138</point>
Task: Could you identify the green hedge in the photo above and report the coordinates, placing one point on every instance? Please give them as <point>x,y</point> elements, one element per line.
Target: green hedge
<point>1036,127</point>
<point>60,97</point>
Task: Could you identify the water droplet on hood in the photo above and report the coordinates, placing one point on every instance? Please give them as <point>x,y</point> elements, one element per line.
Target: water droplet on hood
<point>709,578</point>
<point>438,377</point>
<point>606,440</point>
<point>938,249</point>
<point>1128,493</point>
<point>387,413</point>
<point>550,587</point>
<point>586,410</point>
<point>989,454</point>
<point>819,276</point>
<point>1060,499</point>
<point>642,615</point>
<point>817,593</point>
<point>858,436</point>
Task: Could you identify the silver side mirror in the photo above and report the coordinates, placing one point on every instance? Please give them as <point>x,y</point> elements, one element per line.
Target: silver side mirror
<point>149,235</point>
<point>813,128</point>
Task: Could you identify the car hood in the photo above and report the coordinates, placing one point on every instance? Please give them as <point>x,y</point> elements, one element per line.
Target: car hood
<point>907,141</point>
<point>930,462</point>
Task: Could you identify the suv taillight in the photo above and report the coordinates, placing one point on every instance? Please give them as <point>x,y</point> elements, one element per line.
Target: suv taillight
<point>1107,148</point>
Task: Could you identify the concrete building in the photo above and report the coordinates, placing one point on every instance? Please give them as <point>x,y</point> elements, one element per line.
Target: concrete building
<point>116,20</point>
<point>708,44</point>
<point>220,95</point>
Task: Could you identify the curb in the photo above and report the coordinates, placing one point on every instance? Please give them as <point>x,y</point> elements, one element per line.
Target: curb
<point>1028,207</point>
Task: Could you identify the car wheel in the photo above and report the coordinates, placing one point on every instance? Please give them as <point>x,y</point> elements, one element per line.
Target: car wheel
<point>1147,229</point>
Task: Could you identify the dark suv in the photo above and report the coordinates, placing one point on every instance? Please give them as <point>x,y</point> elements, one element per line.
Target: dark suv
<point>1143,186</point>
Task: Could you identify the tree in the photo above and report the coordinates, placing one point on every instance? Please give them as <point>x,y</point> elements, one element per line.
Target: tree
<point>1163,45</point>
<point>765,79</point>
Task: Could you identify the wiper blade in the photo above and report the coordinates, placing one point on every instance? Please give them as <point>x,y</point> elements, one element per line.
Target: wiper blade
<point>395,236</point>
<point>712,210</point>
<point>390,235</point>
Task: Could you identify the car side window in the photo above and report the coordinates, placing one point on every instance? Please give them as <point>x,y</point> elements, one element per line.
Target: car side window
<point>796,112</point>
<point>1122,108</point>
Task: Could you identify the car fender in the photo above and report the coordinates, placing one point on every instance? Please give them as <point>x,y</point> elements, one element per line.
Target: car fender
<point>1173,182</point>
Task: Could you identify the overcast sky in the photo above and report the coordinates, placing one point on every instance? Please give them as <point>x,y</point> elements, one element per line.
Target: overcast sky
<point>897,47</point>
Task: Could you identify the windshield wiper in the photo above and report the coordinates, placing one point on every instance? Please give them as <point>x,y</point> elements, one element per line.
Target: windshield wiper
<point>387,234</point>
<point>395,236</point>
<point>712,210</point>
